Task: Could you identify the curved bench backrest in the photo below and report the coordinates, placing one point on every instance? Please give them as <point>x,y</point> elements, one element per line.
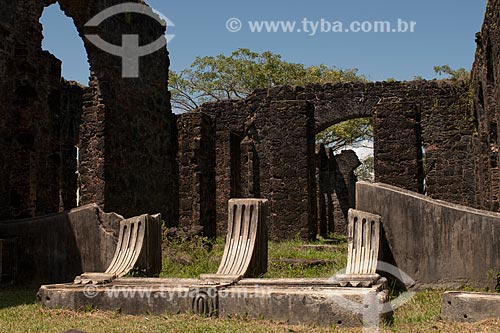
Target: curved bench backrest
<point>363,243</point>
<point>139,247</point>
<point>129,247</point>
<point>245,253</point>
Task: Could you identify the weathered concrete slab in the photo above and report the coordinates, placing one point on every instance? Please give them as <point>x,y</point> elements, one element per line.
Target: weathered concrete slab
<point>129,296</point>
<point>318,305</point>
<point>436,243</point>
<point>470,307</point>
<point>297,301</point>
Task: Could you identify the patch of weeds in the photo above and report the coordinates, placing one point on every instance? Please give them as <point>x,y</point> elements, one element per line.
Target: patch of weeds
<point>423,307</point>
<point>188,258</point>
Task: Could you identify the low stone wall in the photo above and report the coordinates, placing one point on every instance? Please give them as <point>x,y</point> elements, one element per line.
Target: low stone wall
<point>436,243</point>
<point>56,248</point>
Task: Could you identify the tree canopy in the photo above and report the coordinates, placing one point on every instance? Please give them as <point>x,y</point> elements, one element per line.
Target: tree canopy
<point>454,74</point>
<point>237,75</point>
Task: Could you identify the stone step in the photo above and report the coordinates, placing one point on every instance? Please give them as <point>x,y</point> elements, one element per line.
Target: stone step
<point>470,307</point>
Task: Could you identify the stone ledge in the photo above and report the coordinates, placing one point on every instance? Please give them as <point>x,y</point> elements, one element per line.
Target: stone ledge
<point>470,307</point>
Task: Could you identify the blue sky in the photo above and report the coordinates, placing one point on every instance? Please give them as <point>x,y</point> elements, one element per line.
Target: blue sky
<point>444,34</point>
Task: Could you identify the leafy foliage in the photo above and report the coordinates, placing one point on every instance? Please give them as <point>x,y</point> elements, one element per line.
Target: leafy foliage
<point>239,74</point>
<point>455,74</point>
<point>366,170</point>
<point>348,133</point>
<point>236,76</point>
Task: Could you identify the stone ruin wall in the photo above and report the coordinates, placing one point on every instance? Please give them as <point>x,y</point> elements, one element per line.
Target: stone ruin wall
<point>486,95</point>
<point>126,131</point>
<point>336,189</point>
<point>424,141</point>
<point>33,99</point>
<point>427,139</point>
<point>197,170</point>
<point>437,137</point>
<point>266,149</point>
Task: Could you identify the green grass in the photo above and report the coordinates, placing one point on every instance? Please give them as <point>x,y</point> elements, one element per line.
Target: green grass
<point>423,307</point>
<point>334,260</point>
<point>189,259</point>
<point>183,259</point>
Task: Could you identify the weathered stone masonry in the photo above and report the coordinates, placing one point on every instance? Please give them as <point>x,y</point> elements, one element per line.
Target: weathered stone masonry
<point>485,76</point>
<point>197,171</point>
<point>124,128</point>
<point>423,142</point>
<point>127,135</point>
<point>430,137</point>
<point>336,189</point>
<point>425,134</point>
<point>266,149</point>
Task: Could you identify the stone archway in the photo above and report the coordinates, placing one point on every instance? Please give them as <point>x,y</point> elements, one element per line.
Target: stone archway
<point>127,132</point>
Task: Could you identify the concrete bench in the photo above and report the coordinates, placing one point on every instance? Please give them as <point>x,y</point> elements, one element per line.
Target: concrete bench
<point>139,248</point>
<point>245,252</point>
<point>363,250</point>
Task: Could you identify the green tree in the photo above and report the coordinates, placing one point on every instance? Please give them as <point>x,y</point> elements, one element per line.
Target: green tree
<point>366,170</point>
<point>351,133</point>
<point>236,76</point>
<point>239,74</point>
<point>454,74</point>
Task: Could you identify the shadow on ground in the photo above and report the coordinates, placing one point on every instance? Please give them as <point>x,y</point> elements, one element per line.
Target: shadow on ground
<point>12,296</point>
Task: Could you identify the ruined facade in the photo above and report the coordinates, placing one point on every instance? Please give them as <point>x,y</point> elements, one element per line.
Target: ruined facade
<point>255,159</point>
<point>485,76</point>
<point>431,137</point>
<point>123,127</point>
<point>197,169</point>
<point>424,142</point>
<point>336,189</point>
<point>438,138</point>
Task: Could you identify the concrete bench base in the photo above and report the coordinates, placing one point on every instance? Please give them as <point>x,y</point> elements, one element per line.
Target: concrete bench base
<point>295,301</point>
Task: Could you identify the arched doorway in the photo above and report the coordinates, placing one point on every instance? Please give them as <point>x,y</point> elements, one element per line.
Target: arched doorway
<point>344,148</point>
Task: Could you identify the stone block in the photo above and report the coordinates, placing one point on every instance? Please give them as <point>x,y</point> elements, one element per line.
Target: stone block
<point>138,250</point>
<point>470,307</point>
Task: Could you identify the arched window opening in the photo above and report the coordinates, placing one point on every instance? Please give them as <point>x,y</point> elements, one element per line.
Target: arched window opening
<point>61,39</point>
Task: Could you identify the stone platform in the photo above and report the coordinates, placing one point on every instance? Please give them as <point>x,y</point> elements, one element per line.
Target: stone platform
<point>296,301</point>
<point>470,307</point>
